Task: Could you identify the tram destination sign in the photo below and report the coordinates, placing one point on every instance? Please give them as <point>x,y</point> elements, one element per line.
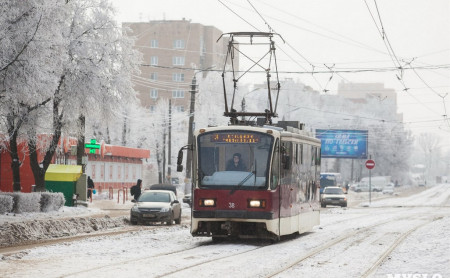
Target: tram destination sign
<point>235,138</point>
<point>343,143</point>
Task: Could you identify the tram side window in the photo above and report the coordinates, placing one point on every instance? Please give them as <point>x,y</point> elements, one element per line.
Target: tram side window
<point>318,156</point>
<point>275,173</point>
<point>296,154</point>
<point>286,155</point>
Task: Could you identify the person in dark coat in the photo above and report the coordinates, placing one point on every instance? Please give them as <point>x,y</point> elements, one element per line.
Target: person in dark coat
<point>90,186</point>
<point>136,189</point>
<point>236,163</point>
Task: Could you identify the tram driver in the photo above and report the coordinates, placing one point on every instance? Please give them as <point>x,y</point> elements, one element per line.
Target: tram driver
<point>236,163</point>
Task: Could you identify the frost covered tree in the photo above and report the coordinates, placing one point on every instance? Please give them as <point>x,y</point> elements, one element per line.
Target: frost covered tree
<point>430,146</point>
<point>76,64</point>
<point>31,54</point>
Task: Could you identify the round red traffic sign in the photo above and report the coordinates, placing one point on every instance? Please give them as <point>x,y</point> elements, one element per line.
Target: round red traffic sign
<point>370,164</point>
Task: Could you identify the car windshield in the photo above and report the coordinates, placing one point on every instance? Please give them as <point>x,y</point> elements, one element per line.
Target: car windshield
<point>234,159</point>
<point>155,197</point>
<point>333,191</point>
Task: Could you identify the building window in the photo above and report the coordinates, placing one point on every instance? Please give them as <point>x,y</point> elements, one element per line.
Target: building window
<point>178,44</point>
<point>178,61</point>
<point>178,77</point>
<point>154,93</point>
<point>93,172</point>
<point>154,76</point>
<point>179,108</point>
<point>154,43</point>
<point>102,172</point>
<point>154,60</point>
<point>177,94</point>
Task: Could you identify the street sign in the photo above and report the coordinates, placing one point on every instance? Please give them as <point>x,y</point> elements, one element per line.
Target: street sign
<point>370,164</point>
<point>92,146</point>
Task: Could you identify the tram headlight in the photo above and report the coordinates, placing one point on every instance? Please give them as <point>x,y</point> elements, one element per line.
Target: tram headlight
<point>256,203</point>
<point>207,202</point>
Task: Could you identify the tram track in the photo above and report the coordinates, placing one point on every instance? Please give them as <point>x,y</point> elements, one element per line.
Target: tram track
<point>371,270</point>
<point>338,240</point>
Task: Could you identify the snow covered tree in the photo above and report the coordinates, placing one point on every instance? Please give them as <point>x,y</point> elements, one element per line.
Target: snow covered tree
<point>30,46</point>
<point>69,60</point>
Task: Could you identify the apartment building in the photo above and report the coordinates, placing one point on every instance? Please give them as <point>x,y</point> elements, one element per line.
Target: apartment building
<point>173,52</point>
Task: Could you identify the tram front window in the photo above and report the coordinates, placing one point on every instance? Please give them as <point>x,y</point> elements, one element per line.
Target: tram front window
<point>229,159</point>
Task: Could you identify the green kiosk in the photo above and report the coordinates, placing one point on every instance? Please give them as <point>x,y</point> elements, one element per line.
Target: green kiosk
<point>63,178</point>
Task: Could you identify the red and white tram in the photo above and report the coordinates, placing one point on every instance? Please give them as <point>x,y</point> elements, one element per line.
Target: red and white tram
<point>275,194</point>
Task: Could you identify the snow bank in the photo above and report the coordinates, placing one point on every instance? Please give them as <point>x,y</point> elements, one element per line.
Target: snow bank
<point>19,202</point>
<point>32,231</point>
<point>52,201</point>
<point>6,203</point>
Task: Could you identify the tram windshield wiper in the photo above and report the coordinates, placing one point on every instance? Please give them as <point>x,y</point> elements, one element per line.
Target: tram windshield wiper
<point>242,182</point>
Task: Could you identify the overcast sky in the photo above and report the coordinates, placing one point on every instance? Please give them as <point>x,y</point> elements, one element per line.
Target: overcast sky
<point>346,34</point>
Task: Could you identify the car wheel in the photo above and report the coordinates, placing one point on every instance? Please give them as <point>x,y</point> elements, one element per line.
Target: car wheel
<point>133,222</point>
<point>323,205</point>
<point>344,206</point>
<point>170,222</point>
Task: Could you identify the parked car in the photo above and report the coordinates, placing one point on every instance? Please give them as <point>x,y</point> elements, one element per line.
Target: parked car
<point>364,187</point>
<point>333,195</point>
<point>188,199</point>
<point>156,206</point>
<point>389,189</point>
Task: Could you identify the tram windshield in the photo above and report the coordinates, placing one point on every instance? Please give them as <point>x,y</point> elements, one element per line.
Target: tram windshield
<point>234,159</point>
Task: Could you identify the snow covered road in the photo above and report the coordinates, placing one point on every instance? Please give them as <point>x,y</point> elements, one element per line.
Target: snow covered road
<point>393,236</point>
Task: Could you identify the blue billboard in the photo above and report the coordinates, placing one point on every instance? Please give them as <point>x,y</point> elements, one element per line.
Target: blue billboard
<point>341,143</point>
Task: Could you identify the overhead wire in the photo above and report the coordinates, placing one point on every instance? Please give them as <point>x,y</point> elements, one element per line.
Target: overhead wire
<point>295,50</point>
<point>395,60</point>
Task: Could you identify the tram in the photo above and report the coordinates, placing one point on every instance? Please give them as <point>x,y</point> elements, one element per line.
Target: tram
<point>254,179</point>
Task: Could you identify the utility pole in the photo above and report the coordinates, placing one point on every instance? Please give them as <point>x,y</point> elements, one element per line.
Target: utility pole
<point>81,141</point>
<point>164,152</point>
<point>191,127</point>
<point>169,175</point>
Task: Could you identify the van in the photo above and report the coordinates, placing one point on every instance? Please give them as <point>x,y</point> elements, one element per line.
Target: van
<point>331,179</point>
<point>364,187</point>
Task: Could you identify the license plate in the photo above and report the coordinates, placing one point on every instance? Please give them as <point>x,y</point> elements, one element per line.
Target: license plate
<point>148,215</point>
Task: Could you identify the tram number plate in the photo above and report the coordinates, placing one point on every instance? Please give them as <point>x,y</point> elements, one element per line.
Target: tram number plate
<point>148,215</point>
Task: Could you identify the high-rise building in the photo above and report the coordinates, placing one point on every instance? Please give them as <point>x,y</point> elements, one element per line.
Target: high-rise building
<point>173,52</point>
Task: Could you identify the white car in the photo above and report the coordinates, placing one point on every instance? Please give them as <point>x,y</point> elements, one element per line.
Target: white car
<point>389,189</point>
<point>333,195</point>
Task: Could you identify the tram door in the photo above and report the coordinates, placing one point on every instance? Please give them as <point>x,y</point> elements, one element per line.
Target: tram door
<point>275,181</point>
